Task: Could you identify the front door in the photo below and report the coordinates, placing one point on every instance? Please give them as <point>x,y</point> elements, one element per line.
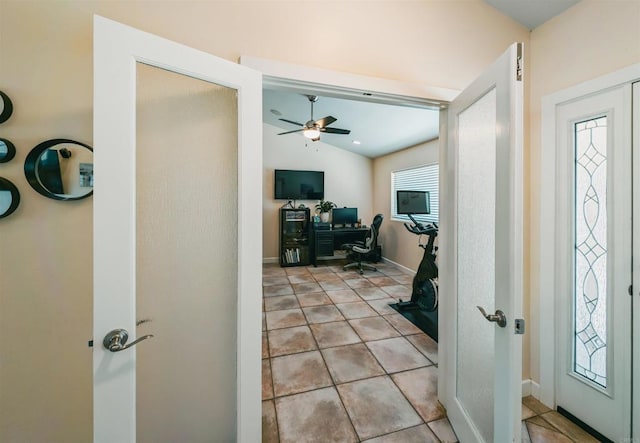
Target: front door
<point>594,248</point>
<point>177,242</point>
<point>481,253</point>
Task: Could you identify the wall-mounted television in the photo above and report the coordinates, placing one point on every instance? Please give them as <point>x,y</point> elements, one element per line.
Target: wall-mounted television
<point>413,202</point>
<point>298,185</point>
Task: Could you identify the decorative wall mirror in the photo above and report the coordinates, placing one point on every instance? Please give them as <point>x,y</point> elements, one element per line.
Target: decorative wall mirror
<point>6,107</point>
<point>7,150</point>
<point>9,197</point>
<point>61,169</point>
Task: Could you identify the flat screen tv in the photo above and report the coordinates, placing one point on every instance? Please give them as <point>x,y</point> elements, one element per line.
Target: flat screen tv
<point>412,202</point>
<point>298,185</point>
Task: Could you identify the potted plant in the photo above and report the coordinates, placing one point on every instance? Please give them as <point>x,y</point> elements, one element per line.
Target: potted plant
<point>323,208</point>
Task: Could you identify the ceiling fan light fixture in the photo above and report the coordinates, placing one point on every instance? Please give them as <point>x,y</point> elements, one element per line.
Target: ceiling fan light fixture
<point>311,133</point>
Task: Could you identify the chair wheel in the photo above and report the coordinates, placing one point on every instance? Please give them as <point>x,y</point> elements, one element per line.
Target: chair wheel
<point>361,272</point>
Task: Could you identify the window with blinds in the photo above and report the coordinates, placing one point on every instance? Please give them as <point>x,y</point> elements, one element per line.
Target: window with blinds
<point>422,178</point>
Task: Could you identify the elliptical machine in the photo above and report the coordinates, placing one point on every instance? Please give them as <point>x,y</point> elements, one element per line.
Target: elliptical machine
<point>422,309</point>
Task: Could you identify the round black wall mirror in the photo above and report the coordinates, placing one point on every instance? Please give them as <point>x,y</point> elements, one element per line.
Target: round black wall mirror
<point>6,107</point>
<point>7,150</point>
<point>9,197</point>
<point>61,169</point>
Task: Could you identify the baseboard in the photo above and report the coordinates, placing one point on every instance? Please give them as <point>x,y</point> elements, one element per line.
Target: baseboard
<point>384,259</point>
<point>530,387</point>
<point>410,271</point>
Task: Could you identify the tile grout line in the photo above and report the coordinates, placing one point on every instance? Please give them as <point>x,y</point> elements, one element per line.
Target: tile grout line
<point>345,319</point>
<point>333,382</point>
<point>387,374</point>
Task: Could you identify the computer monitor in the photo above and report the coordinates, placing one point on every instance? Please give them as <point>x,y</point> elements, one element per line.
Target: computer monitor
<point>343,217</point>
<point>412,202</point>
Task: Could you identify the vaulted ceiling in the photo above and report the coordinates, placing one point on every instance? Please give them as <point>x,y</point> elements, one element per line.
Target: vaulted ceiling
<point>380,129</point>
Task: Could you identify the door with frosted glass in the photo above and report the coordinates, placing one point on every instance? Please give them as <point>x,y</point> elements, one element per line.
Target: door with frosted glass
<point>482,255</point>
<point>176,268</point>
<point>594,249</point>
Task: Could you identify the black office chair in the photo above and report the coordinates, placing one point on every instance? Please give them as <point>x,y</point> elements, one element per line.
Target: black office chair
<point>364,251</point>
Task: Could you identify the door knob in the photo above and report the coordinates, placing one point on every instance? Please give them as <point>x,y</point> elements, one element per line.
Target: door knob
<point>116,339</point>
<point>498,317</point>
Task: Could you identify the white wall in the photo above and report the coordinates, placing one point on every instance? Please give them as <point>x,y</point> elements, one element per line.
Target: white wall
<point>347,178</point>
<point>591,39</point>
<point>46,68</point>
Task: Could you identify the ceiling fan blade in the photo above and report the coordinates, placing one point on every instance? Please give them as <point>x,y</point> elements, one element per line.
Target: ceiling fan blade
<point>291,121</point>
<point>335,131</point>
<point>326,121</point>
<point>291,132</point>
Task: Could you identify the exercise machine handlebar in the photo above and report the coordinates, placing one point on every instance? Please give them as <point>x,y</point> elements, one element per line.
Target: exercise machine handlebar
<point>420,229</point>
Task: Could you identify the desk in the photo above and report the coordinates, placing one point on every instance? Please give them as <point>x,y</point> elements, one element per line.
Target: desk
<point>324,242</point>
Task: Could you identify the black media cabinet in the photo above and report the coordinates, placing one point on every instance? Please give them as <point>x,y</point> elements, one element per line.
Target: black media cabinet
<point>295,233</point>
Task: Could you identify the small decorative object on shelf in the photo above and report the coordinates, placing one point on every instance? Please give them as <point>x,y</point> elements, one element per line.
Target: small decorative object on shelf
<point>323,207</point>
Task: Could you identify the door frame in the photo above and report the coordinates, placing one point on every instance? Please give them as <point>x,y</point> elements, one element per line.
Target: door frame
<point>548,279</point>
<point>124,46</point>
<point>307,80</point>
<point>310,80</point>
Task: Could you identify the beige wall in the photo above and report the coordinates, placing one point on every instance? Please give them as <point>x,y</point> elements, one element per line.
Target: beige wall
<point>46,68</point>
<point>347,179</point>
<point>399,245</point>
<point>593,38</point>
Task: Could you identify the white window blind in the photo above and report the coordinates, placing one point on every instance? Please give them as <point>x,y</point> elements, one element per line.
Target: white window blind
<point>422,178</point>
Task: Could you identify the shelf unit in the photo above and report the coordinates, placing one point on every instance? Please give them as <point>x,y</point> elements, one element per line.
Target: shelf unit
<point>294,237</point>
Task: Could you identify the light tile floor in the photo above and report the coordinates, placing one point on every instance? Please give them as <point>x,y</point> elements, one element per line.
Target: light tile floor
<point>340,365</point>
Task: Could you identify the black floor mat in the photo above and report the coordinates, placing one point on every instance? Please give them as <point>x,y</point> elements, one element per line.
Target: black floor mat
<point>426,321</point>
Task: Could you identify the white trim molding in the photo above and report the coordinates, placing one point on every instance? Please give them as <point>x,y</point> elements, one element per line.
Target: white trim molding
<point>530,388</point>
<point>312,80</point>
<point>404,268</point>
<point>548,278</point>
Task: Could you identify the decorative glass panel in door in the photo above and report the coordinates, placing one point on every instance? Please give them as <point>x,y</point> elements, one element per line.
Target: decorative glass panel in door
<point>590,257</point>
<point>481,255</point>
<point>476,263</point>
<point>187,241</point>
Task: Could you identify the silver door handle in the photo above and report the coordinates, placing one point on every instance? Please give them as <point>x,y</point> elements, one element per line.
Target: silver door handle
<point>116,339</point>
<point>498,317</point>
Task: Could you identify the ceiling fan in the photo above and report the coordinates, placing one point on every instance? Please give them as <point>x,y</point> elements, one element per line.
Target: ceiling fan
<point>313,128</point>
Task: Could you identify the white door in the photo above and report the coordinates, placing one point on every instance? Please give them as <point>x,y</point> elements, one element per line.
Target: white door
<point>594,250</point>
<point>635,431</point>
<point>636,263</point>
<point>482,255</point>
<point>177,241</point>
